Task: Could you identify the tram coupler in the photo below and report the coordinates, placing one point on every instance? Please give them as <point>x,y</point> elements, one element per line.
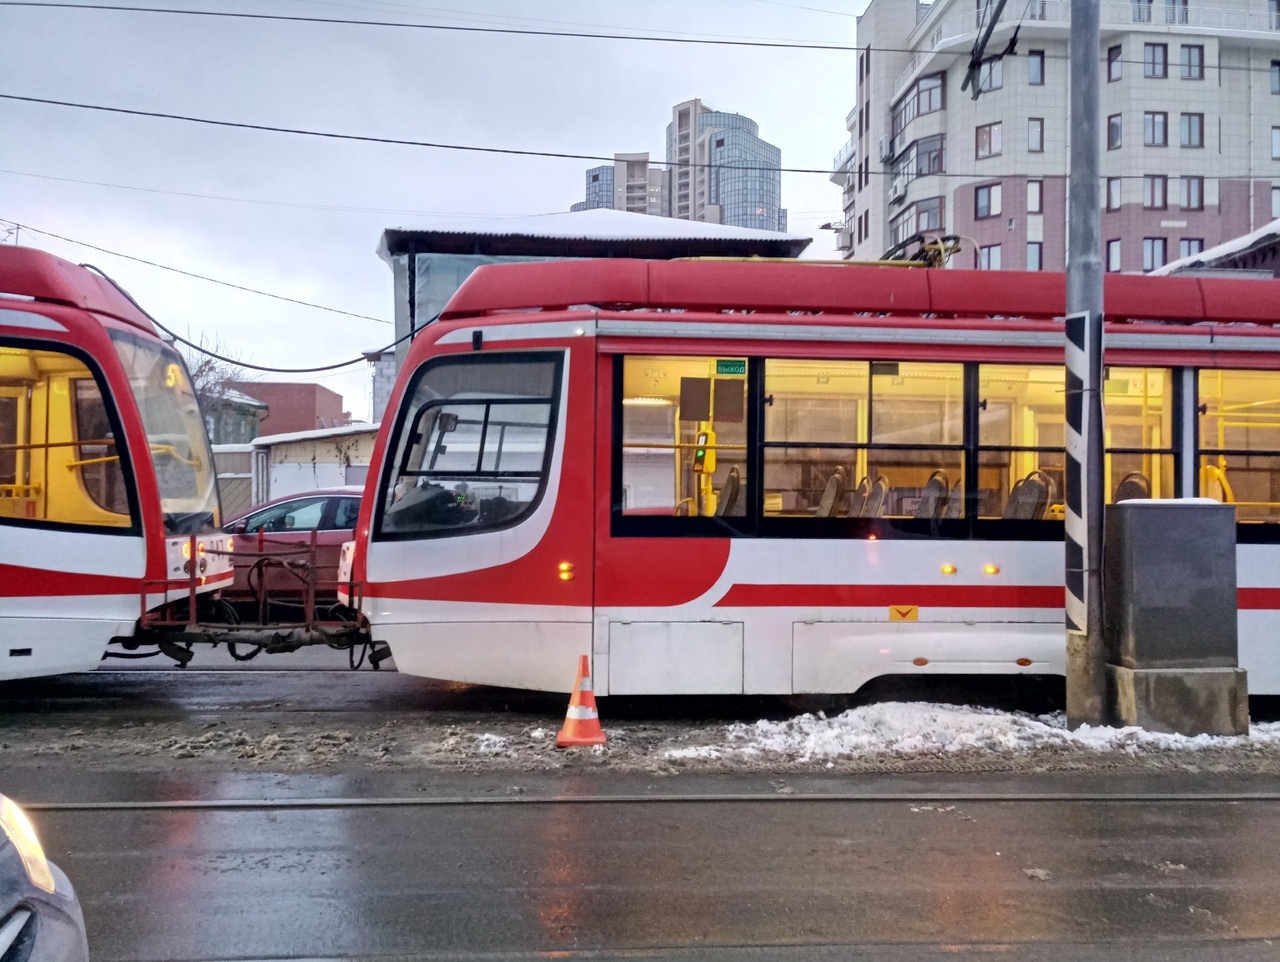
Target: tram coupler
<point>177,652</point>
<point>379,651</point>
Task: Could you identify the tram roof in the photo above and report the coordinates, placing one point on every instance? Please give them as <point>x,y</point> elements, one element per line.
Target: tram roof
<point>45,277</point>
<point>795,286</point>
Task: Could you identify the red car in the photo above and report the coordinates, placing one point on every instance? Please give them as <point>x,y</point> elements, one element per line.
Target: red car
<point>282,527</point>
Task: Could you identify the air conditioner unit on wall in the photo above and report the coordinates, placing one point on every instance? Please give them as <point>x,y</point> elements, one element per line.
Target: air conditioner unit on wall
<point>886,148</point>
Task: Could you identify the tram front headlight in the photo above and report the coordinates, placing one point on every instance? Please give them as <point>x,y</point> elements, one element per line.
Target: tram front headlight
<point>22,834</point>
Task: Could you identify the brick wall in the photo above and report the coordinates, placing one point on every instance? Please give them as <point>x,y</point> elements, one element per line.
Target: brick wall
<point>295,407</point>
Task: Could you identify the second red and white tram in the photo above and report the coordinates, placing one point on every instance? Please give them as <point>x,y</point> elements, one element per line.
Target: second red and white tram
<point>783,478</point>
<point>108,493</point>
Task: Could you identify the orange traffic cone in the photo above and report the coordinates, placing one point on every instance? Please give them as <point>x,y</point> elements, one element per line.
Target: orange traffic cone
<point>581,721</point>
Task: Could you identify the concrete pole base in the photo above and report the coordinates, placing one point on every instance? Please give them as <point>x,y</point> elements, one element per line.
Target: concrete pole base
<point>1181,701</point>
<point>1086,683</point>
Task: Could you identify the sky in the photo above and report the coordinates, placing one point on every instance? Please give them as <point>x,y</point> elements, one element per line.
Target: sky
<point>273,221</point>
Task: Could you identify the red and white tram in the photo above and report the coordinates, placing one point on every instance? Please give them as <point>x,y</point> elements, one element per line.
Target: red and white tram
<point>729,477</point>
<point>108,494</point>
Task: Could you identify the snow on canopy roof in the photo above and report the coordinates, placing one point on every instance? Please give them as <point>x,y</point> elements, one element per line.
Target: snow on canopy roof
<point>602,225</point>
<point>317,434</point>
<point>1264,235</point>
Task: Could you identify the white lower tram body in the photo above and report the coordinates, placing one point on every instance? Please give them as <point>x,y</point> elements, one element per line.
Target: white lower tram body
<point>86,599</point>
<point>704,648</point>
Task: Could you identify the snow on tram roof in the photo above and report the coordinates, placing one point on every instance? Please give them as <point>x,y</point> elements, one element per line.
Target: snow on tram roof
<point>42,276</point>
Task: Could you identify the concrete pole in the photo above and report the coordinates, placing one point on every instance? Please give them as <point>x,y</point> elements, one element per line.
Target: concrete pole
<point>1086,653</point>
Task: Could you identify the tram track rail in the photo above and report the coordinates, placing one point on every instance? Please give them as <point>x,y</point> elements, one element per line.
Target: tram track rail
<point>456,801</point>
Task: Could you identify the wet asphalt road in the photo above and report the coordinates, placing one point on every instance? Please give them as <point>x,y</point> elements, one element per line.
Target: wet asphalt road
<point>930,873</point>
<point>803,878</point>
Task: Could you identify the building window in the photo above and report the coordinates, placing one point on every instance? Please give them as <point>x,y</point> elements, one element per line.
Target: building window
<point>1193,130</point>
<point>1035,135</point>
<point>988,140</point>
<point>1275,143</point>
<point>1155,129</point>
<point>925,97</point>
<point>1193,193</point>
<point>1155,60</point>
<point>1113,193</point>
<point>929,214</point>
<point>989,258</point>
<point>1035,68</point>
<point>1035,197</point>
<point>1114,131</point>
<point>1155,192</point>
<point>991,74</point>
<point>1275,76</point>
<point>1154,253</point>
<point>1175,11</point>
<point>1113,256</point>
<point>1114,63</point>
<point>1035,256</point>
<point>595,178</point>
<point>1192,61</point>
<point>1190,245</point>
<point>986,201</point>
<point>1275,201</point>
<point>1141,11</point>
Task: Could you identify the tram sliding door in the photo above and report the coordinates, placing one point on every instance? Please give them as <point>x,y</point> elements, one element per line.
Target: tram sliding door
<point>71,546</point>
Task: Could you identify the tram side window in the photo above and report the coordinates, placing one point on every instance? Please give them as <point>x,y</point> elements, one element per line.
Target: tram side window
<point>1240,441</point>
<point>1138,419</point>
<point>472,446</point>
<point>863,439</point>
<point>59,454</point>
<point>684,436</point>
<point>1021,441</point>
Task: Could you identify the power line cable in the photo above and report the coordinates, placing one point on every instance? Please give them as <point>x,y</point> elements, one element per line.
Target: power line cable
<point>231,360</point>
<point>508,151</point>
<point>250,200</point>
<point>521,32</point>
<point>199,277</point>
<point>510,31</point>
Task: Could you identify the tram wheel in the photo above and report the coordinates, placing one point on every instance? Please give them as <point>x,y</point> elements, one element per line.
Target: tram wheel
<point>811,704</point>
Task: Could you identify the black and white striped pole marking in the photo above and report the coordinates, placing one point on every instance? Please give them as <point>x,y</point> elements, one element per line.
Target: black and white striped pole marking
<point>1084,494</point>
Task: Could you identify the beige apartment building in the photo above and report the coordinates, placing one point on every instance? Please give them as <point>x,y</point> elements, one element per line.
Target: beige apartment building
<point>1190,115</point>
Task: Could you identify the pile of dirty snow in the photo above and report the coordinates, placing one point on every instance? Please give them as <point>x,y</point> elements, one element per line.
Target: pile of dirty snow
<point>904,729</point>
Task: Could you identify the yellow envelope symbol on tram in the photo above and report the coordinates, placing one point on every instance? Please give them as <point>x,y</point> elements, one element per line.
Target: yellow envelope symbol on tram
<point>904,612</point>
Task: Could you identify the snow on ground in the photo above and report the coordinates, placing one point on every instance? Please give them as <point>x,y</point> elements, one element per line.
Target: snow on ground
<point>897,728</point>
<point>887,737</point>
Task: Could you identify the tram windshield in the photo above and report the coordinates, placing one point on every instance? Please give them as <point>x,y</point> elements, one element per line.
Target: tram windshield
<point>175,431</point>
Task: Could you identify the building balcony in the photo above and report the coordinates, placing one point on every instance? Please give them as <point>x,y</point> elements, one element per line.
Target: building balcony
<point>843,159</point>
<point>851,119</point>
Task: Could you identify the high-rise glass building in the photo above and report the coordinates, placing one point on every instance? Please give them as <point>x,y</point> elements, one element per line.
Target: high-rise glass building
<point>718,170</point>
<point>704,147</point>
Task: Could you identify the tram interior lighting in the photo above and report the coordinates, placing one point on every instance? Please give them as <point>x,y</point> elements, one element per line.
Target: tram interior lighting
<point>20,832</point>
<point>948,569</point>
<point>647,402</point>
<point>566,571</point>
<point>991,569</point>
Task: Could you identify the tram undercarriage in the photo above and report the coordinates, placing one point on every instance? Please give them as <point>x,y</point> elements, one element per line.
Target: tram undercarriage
<point>289,605</point>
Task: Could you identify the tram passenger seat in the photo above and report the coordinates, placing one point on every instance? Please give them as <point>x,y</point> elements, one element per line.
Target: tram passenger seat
<point>874,507</point>
<point>1133,485</point>
<point>858,500</point>
<point>831,494</point>
<point>954,502</point>
<point>729,493</point>
<point>934,500</point>
<point>1029,498</point>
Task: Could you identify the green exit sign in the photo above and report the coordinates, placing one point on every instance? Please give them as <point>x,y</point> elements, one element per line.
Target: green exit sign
<point>731,367</point>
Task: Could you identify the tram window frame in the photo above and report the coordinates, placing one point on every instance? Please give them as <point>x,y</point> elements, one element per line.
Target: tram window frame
<point>1248,530</point>
<point>623,524</point>
<point>396,452</point>
<point>134,528</point>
